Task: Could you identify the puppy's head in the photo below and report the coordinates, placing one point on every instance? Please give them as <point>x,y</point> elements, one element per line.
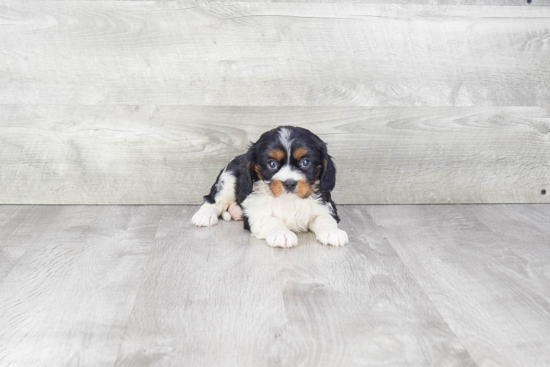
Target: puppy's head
<point>292,161</point>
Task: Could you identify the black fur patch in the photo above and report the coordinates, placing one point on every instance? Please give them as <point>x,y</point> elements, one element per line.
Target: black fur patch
<point>236,167</point>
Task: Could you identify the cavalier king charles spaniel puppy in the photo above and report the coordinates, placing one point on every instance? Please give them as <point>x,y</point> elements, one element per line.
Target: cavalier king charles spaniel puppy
<point>280,186</point>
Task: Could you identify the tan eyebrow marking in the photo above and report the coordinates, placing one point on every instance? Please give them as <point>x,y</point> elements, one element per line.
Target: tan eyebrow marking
<point>299,153</point>
<point>276,153</point>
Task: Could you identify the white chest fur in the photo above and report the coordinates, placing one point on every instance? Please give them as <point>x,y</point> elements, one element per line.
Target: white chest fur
<point>295,212</point>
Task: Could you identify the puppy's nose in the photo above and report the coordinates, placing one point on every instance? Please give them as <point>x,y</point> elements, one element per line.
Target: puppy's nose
<point>290,185</point>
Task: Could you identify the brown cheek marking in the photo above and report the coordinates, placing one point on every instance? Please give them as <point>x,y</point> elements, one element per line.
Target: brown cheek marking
<point>257,170</point>
<point>303,189</point>
<point>299,153</point>
<point>276,187</point>
<point>278,154</point>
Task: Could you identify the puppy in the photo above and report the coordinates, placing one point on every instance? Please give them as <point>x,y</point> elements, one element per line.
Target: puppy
<point>280,186</point>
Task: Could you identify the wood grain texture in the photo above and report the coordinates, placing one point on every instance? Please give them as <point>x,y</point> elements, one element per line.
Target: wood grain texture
<point>172,154</point>
<point>359,305</point>
<point>136,286</point>
<point>20,228</point>
<point>533,3</point>
<point>218,297</point>
<point>486,270</point>
<point>292,54</point>
<point>210,298</point>
<point>67,301</point>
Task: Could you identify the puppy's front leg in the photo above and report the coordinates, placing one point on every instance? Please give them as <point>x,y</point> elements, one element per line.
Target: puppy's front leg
<point>274,231</point>
<point>327,232</point>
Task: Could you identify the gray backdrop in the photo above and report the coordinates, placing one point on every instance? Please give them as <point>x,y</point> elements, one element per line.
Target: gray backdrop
<point>143,102</point>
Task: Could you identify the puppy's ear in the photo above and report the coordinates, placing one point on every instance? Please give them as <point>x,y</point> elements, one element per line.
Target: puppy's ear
<point>328,171</point>
<point>248,176</point>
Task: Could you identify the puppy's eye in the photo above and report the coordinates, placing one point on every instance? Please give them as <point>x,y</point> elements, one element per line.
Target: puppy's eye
<point>272,164</point>
<point>304,163</point>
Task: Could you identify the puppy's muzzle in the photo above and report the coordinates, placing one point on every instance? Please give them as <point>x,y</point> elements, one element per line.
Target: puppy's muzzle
<point>290,185</point>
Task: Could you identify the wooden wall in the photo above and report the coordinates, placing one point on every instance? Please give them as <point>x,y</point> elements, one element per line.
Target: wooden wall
<point>143,102</point>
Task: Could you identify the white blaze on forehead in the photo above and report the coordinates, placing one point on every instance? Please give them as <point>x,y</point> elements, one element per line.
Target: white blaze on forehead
<point>287,173</point>
<point>284,137</point>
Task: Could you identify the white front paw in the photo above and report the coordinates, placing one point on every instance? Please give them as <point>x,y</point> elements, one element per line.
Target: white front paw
<point>205,217</point>
<point>282,238</point>
<point>332,237</point>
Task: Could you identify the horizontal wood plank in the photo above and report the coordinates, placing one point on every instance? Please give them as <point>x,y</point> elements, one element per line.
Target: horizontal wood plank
<point>172,154</point>
<point>273,54</point>
<point>530,3</point>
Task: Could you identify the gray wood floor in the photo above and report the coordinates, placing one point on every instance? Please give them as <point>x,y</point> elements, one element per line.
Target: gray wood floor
<point>137,285</point>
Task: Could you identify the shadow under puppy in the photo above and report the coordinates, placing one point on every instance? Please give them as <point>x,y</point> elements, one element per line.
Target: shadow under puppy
<point>280,186</point>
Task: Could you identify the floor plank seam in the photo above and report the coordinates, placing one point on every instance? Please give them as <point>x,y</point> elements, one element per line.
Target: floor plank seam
<point>417,281</point>
<point>142,278</point>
